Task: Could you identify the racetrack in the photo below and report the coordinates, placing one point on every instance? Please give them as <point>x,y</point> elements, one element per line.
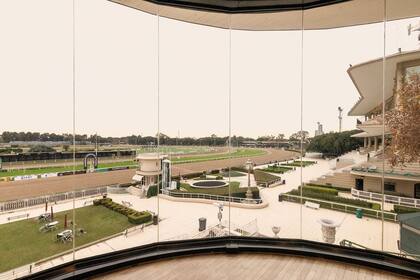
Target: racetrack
<point>33,188</point>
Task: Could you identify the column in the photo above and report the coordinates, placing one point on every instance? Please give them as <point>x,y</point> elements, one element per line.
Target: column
<point>375,145</point>
<point>369,142</point>
<point>365,142</point>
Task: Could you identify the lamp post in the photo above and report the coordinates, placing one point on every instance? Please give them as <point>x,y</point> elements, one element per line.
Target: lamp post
<point>219,214</point>
<point>249,166</point>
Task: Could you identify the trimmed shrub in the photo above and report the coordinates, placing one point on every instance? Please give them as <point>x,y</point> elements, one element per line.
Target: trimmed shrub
<point>404,209</point>
<point>328,191</point>
<point>134,216</point>
<point>140,217</point>
<point>219,177</point>
<point>326,205</point>
<point>152,191</point>
<point>341,189</point>
<point>241,193</point>
<point>338,199</point>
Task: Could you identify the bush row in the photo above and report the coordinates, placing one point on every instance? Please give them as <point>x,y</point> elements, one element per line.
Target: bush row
<point>241,193</point>
<point>316,189</point>
<point>340,189</point>
<point>399,209</point>
<point>349,201</point>
<point>326,205</point>
<point>134,216</point>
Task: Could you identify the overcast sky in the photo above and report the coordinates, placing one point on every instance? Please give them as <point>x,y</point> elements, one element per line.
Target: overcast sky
<point>116,72</point>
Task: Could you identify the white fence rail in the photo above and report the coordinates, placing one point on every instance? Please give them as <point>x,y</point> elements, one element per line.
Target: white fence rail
<point>29,202</point>
<point>406,201</point>
<point>210,197</point>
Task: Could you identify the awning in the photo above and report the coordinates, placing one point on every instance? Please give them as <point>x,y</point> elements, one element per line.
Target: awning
<point>137,178</point>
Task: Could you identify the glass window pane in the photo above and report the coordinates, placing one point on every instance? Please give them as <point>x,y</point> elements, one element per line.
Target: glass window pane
<point>36,133</point>
<point>266,112</point>
<point>342,91</point>
<point>399,166</point>
<point>194,129</point>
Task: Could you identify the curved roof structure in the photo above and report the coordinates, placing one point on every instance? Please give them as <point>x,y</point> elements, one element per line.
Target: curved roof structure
<point>367,77</point>
<point>277,14</point>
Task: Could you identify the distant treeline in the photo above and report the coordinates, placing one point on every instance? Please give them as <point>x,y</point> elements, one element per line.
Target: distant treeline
<point>335,143</point>
<point>213,140</point>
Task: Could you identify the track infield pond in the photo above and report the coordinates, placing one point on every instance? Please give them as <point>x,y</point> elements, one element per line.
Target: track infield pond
<point>21,242</point>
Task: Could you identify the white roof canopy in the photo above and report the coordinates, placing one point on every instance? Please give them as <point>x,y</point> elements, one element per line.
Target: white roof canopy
<point>367,77</point>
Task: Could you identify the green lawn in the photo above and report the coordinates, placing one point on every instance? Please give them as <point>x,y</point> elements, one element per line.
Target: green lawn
<point>55,169</point>
<point>263,177</point>
<point>21,242</point>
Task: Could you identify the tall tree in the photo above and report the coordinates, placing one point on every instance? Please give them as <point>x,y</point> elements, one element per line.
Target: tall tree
<point>404,123</point>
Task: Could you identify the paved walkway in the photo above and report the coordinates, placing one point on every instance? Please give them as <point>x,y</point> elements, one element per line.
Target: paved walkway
<point>180,219</point>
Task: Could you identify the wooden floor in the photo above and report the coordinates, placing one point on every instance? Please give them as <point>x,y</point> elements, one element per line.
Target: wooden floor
<point>249,266</point>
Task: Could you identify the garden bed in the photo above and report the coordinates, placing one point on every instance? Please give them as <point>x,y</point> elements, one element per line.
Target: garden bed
<point>235,190</point>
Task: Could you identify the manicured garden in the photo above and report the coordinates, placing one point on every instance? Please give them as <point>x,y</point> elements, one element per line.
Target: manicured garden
<point>298,163</point>
<point>315,193</point>
<point>235,190</point>
<point>331,194</point>
<point>22,243</point>
<point>262,177</point>
<point>277,168</point>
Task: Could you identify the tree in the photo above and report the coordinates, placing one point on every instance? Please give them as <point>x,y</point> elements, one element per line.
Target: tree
<point>66,147</point>
<point>404,123</point>
<point>335,143</point>
<point>280,136</point>
<point>300,135</point>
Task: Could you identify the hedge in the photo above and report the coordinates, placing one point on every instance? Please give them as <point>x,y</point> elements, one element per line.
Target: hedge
<point>326,205</point>
<point>322,196</point>
<point>188,176</point>
<point>152,191</point>
<point>404,209</point>
<point>341,189</point>
<point>134,216</point>
<point>241,169</point>
<point>328,191</point>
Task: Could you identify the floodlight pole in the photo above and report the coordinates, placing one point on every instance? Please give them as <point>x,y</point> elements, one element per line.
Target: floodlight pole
<point>340,118</point>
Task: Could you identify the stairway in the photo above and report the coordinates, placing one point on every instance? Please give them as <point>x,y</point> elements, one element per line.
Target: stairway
<point>340,179</point>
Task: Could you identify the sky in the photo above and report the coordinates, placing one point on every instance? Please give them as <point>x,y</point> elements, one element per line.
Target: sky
<point>117,79</point>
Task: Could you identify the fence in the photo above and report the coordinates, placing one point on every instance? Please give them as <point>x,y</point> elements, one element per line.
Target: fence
<point>406,201</point>
<point>29,202</point>
<point>210,197</point>
<point>342,207</point>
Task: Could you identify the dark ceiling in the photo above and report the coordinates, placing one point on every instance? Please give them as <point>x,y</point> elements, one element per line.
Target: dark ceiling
<point>248,6</point>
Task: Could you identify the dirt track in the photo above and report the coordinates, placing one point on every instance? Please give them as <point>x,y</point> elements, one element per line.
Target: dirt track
<point>33,188</point>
